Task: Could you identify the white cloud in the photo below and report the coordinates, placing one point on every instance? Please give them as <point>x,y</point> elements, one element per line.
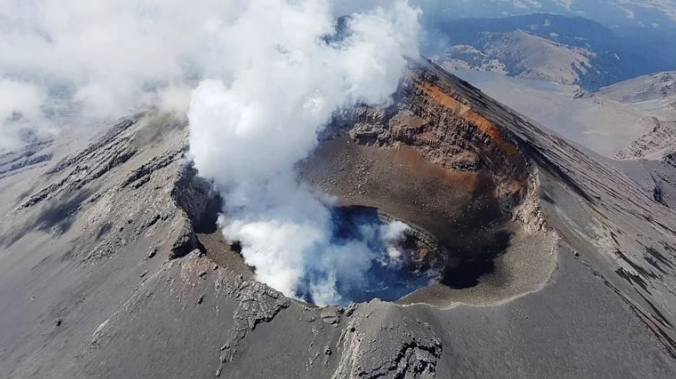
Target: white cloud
<point>104,58</point>
<point>109,58</point>
<point>20,106</point>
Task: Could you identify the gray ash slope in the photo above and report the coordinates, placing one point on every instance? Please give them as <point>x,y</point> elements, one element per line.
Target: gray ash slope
<point>101,273</point>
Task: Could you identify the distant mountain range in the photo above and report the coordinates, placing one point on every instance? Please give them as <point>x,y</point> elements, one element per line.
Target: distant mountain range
<point>561,49</point>
<point>612,13</point>
<point>521,54</point>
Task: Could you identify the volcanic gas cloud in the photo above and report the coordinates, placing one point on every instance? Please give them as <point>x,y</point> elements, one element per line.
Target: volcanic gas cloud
<point>288,69</point>
<point>268,75</point>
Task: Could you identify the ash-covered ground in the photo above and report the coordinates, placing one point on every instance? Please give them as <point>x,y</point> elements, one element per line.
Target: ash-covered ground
<point>556,263</point>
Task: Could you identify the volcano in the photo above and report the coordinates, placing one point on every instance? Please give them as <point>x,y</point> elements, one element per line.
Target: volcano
<point>524,256</point>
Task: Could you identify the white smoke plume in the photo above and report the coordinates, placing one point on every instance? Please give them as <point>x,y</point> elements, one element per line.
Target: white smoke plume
<point>267,79</point>
<point>249,129</point>
<point>70,62</point>
<point>65,63</point>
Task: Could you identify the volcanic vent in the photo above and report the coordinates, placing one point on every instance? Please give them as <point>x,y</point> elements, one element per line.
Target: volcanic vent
<point>440,196</point>
<point>405,259</point>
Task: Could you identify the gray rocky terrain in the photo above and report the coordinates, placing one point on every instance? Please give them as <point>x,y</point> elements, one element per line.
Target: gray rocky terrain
<point>559,263</point>
<point>656,144</point>
<point>652,154</point>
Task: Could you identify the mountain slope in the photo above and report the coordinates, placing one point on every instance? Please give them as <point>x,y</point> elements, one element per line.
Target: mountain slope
<point>656,144</point>
<point>598,124</point>
<point>654,94</point>
<point>524,55</point>
<point>103,270</point>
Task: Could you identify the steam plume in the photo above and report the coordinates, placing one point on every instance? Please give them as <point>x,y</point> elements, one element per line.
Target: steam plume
<point>247,133</point>
<point>268,76</point>
<point>72,63</point>
<point>66,63</point>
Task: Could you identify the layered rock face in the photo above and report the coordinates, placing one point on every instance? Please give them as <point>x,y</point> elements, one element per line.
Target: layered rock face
<point>429,116</point>
<point>657,143</point>
<point>559,264</point>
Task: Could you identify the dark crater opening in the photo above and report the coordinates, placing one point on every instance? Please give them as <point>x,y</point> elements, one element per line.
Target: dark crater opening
<point>206,223</point>
<point>472,256</point>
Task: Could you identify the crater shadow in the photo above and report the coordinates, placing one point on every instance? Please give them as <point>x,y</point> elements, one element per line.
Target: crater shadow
<point>471,258</point>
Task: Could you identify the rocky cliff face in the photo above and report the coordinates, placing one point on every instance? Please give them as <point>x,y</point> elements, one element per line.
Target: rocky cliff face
<point>657,143</point>
<point>429,116</point>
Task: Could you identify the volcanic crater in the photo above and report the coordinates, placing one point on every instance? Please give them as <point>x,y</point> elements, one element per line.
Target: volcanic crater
<point>87,288</point>
<point>475,232</point>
